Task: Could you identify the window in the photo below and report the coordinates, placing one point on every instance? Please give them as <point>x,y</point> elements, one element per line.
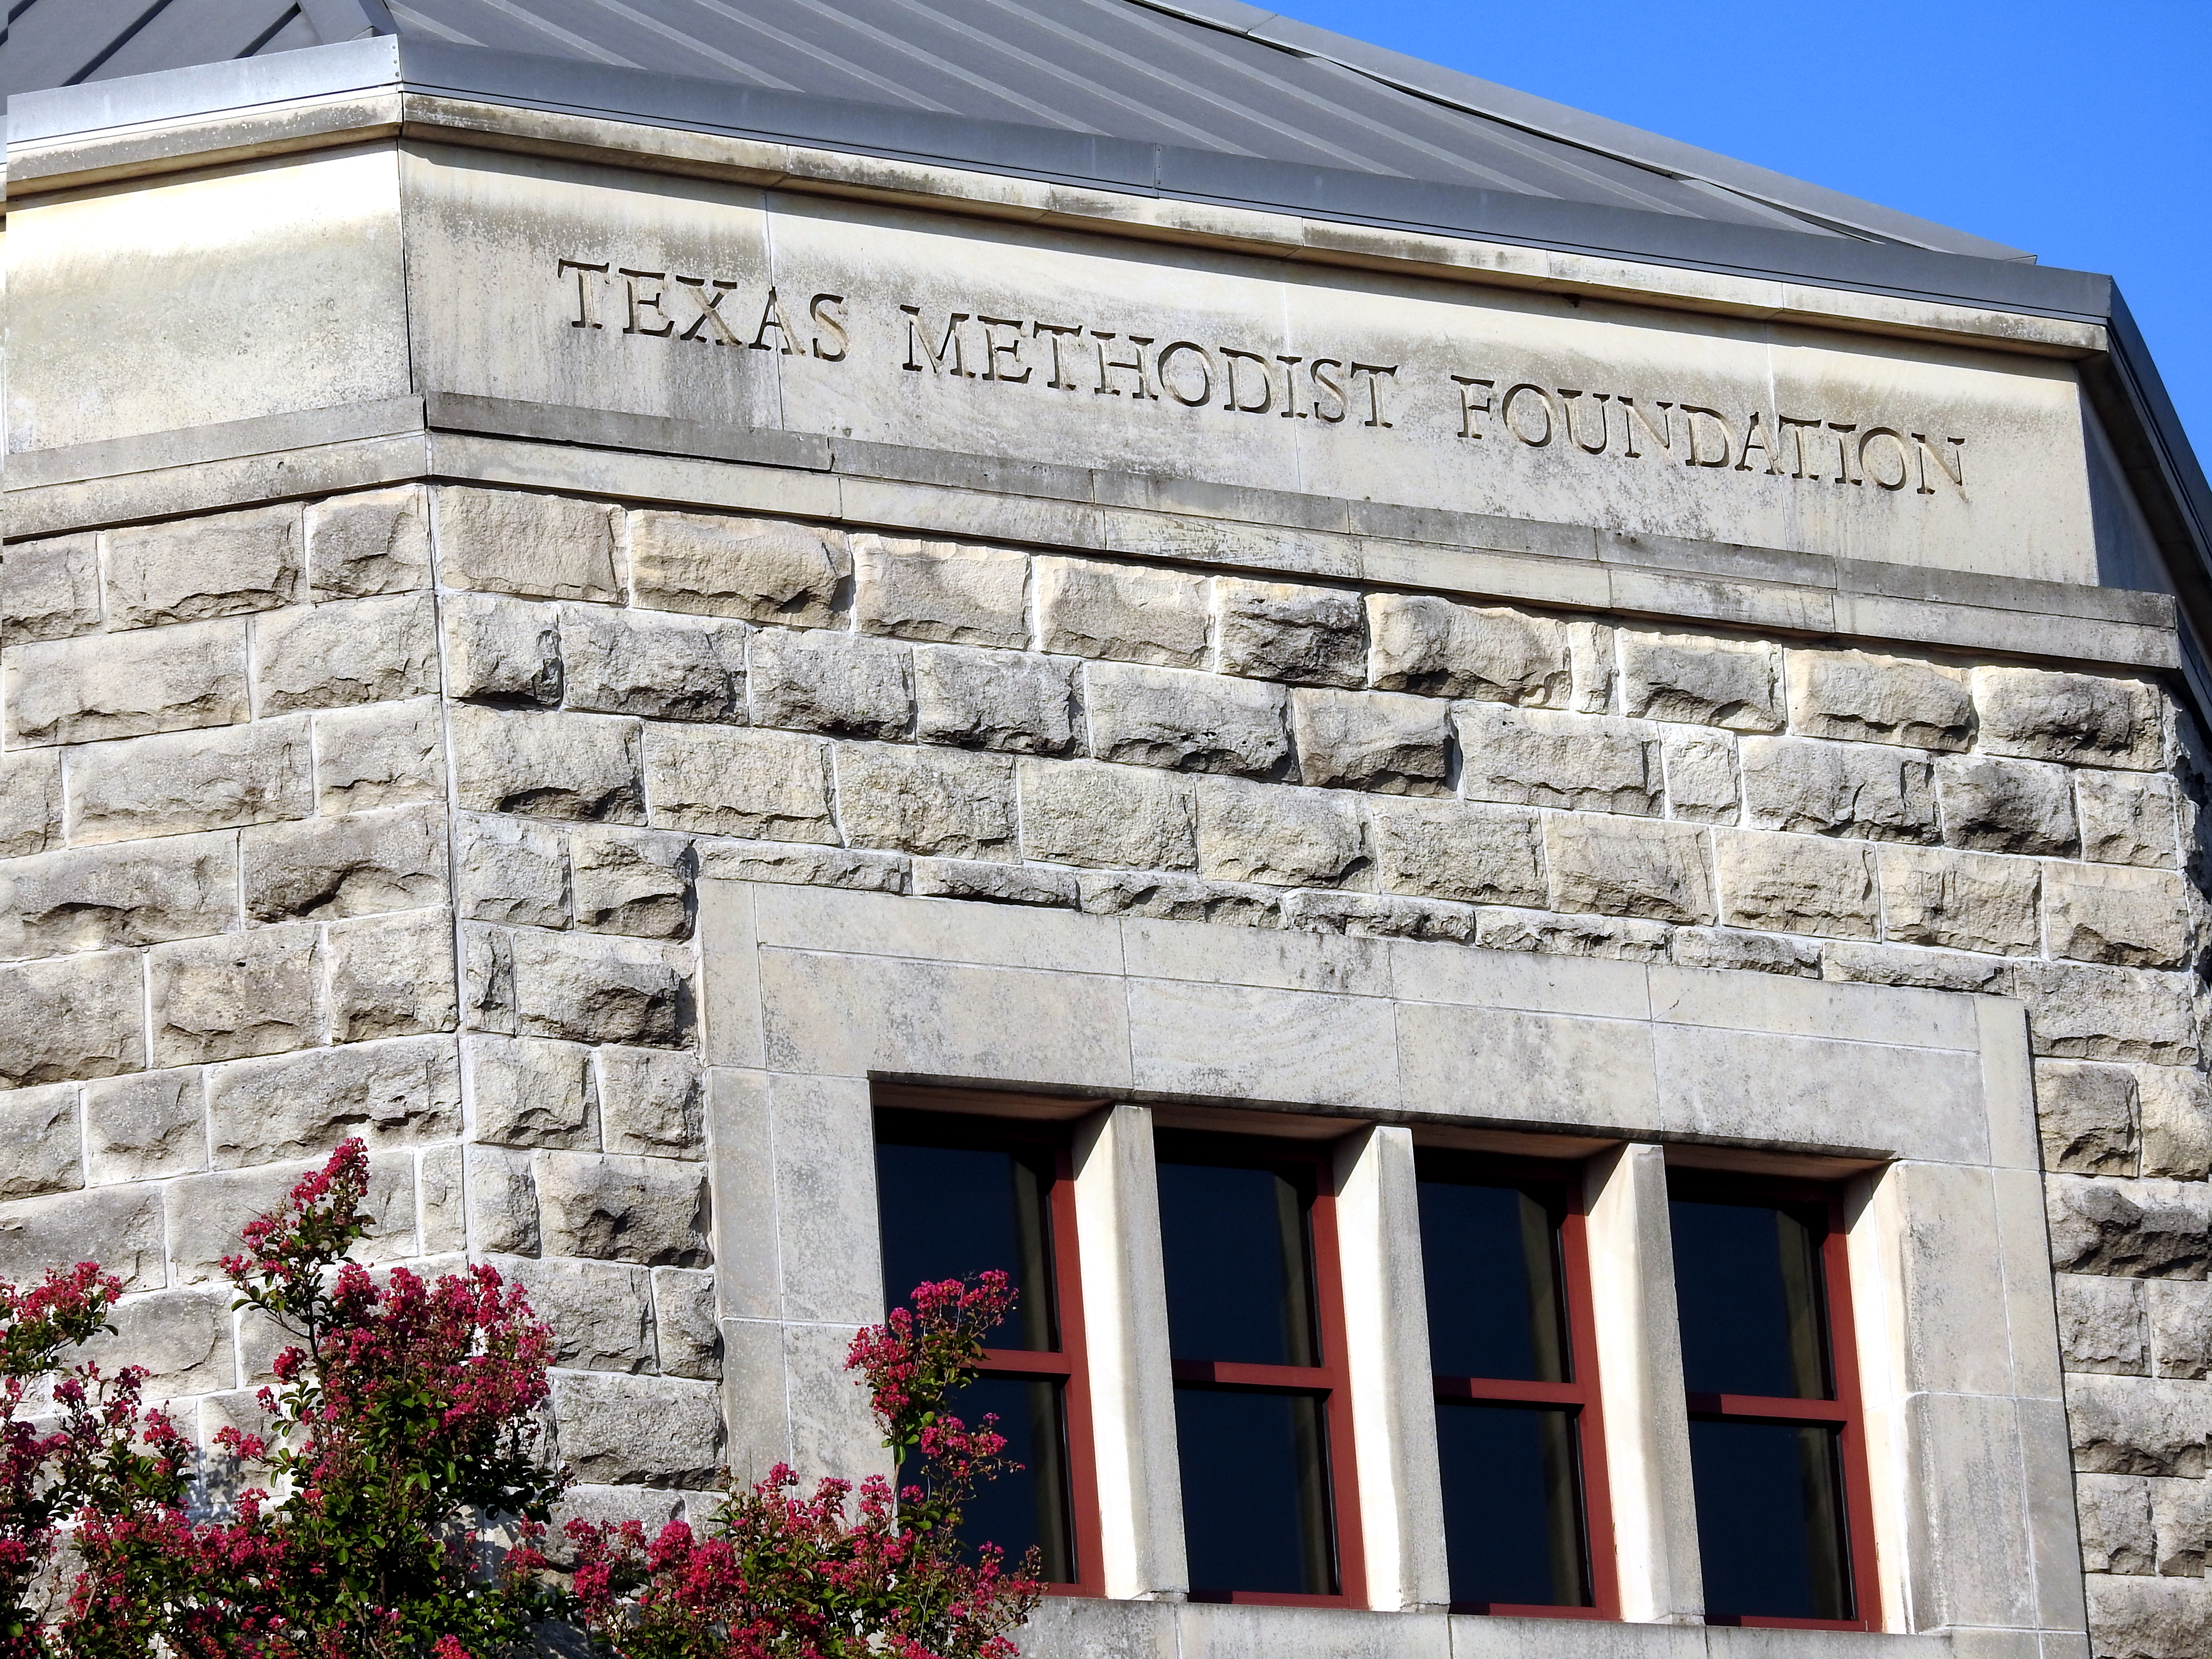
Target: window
<point>1776,1454</point>
<point>1255,1327</point>
<point>1519,1440</point>
<point>958,1196</point>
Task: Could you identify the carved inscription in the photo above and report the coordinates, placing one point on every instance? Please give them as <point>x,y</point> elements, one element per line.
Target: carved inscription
<point>1075,357</point>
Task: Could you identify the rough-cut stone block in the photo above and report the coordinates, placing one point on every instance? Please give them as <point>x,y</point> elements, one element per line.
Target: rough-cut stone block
<point>182,1340</point>
<point>295,1109</point>
<point>1285,837</point>
<point>2085,718</point>
<point>120,1228</point>
<point>2114,1510</point>
<point>1870,791</point>
<point>1384,741</point>
<point>2137,1425</point>
<point>1700,681</point>
<point>49,589</point>
<point>1658,872</point>
<point>601,1312</point>
<point>95,898</point>
<point>510,870</point>
<point>126,685</point>
<point>994,884</point>
<point>971,699</point>
<point>145,1127</point>
<point>375,542</point>
<point>638,1430</point>
<point>2180,1319</point>
<point>2126,817</point>
<point>588,988</point>
<point>1419,643</point>
<point>2006,806</point>
<point>2143,1228</point>
<point>1083,812</point>
<point>1700,773</point>
<point>2107,1013</point>
<point>2178,1520</point>
<point>509,541</point>
<point>943,591</point>
<point>2102,1324</point>
<point>631,881</point>
<point>647,1210</point>
<point>766,785</point>
<point>1288,631</point>
<point>1085,608</point>
<point>389,756</point>
<point>652,1102</point>
<point>1572,936</point>
<point>1966,901</point>
<point>1592,763</point>
<point>355,651</point>
<point>843,684</point>
<point>531,1093</point>
<point>801,866</point>
<point>392,976</point>
<point>1378,916</point>
<point>1862,697</point>
<point>205,1213</point>
<point>344,867</point>
<point>1796,884</point>
<point>2174,1107</point>
<point>757,568</point>
<point>664,667</point>
<point>30,802</point>
<point>2131,918</point>
<point>2143,1618</point>
<point>503,651</point>
<point>502,1202</point>
<point>687,1332</point>
<point>255,992</point>
<point>939,803</point>
<point>2087,1114</point>
<point>1592,650</point>
<point>1930,970</point>
<point>1186,721</point>
<point>82,1017</point>
<point>1758,953</point>
<point>1151,893</point>
<point>1459,852</point>
<point>186,780</point>
<point>188,568</point>
<point>39,1145</point>
<point>546,765</point>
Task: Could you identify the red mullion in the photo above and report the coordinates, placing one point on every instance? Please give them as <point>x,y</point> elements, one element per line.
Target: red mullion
<point>1343,1470</point>
<point>1589,1422</point>
<point>1507,1389</point>
<point>1761,1409</point>
<point>1844,1367</point>
<point>1075,1395</point>
<point>1238,1374</point>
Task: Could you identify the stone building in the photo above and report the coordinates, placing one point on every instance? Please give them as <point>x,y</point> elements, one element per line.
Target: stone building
<point>1545,789</point>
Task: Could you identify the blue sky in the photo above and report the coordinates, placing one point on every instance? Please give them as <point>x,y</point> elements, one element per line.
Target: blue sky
<point>2081,132</point>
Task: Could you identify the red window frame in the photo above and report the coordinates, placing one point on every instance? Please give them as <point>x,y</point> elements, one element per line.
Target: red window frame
<point>1582,1394</point>
<point>941,1116</point>
<point>1331,1379</point>
<point>1844,1409</point>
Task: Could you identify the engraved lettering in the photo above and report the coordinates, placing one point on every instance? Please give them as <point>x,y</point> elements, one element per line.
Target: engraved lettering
<point>1690,414</point>
<point>1664,433</point>
<point>1843,430</point>
<point>1543,407</point>
<point>1794,428</point>
<point>1291,386</point>
<point>696,290</point>
<point>1055,332</point>
<point>1604,435</point>
<point>1375,373</point>
<point>1469,406</point>
<point>1755,437</point>
<point>1952,466</point>
<point>1869,465</point>
<point>1133,365</point>
<point>640,302</point>
<point>1230,356</point>
<point>1332,385</point>
<point>994,349</point>
<point>583,319</point>
<point>1205,371</point>
<point>917,342</point>
<point>772,317</point>
<point>818,308</point>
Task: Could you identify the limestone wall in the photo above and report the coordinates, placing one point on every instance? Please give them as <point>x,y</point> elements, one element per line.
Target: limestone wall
<point>384,815</point>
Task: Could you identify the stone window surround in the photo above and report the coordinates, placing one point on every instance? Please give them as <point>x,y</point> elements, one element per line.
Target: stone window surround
<point>811,996</point>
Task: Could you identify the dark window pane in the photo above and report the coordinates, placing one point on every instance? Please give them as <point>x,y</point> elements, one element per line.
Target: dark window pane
<point>1239,1285</point>
<point>1029,1506</point>
<point>1748,1282</point>
<point>1770,1519</point>
<point>1492,1261</point>
<point>1513,1528</point>
<point>955,1211</point>
<point>1255,1501</point>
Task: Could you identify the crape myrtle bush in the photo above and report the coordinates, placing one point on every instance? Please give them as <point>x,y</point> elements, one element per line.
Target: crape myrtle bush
<point>393,1504</point>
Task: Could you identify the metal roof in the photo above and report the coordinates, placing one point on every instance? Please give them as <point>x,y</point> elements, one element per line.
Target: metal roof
<point>1217,77</point>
